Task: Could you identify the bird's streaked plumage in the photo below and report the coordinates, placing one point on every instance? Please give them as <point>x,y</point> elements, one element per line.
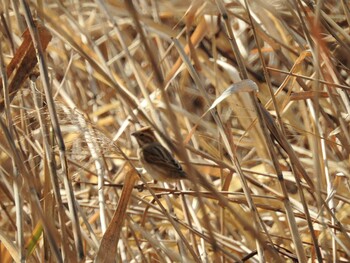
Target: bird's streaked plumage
<point>156,159</point>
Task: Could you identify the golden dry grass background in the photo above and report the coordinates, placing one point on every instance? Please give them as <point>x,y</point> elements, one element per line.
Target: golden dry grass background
<point>251,96</point>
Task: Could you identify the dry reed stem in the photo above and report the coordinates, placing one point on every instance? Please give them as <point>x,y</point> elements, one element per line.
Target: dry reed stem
<point>274,163</point>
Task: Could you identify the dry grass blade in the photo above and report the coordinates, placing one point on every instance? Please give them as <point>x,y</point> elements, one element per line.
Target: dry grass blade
<point>18,160</point>
<point>10,247</point>
<point>251,97</point>
<point>108,246</point>
<point>24,62</point>
<point>34,32</point>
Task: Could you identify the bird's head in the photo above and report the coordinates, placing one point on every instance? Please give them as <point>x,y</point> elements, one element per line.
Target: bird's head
<point>144,136</point>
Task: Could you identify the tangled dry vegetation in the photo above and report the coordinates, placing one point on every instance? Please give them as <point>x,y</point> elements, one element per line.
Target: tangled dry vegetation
<point>251,97</point>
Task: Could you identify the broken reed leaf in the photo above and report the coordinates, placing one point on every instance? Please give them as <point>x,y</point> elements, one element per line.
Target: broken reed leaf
<point>303,95</point>
<point>108,246</point>
<point>245,85</point>
<point>24,61</point>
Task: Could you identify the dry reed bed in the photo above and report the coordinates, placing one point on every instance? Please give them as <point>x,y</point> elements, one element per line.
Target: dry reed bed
<point>271,151</point>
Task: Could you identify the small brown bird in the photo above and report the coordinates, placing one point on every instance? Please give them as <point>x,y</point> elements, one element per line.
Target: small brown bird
<point>156,159</point>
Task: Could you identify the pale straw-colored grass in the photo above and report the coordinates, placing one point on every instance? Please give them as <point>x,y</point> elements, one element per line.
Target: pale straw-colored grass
<point>250,96</point>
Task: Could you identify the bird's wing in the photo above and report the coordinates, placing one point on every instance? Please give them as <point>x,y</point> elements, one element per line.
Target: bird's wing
<point>155,153</point>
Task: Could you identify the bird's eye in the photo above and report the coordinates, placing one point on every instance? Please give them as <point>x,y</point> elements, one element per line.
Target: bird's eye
<point>142,137</point>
